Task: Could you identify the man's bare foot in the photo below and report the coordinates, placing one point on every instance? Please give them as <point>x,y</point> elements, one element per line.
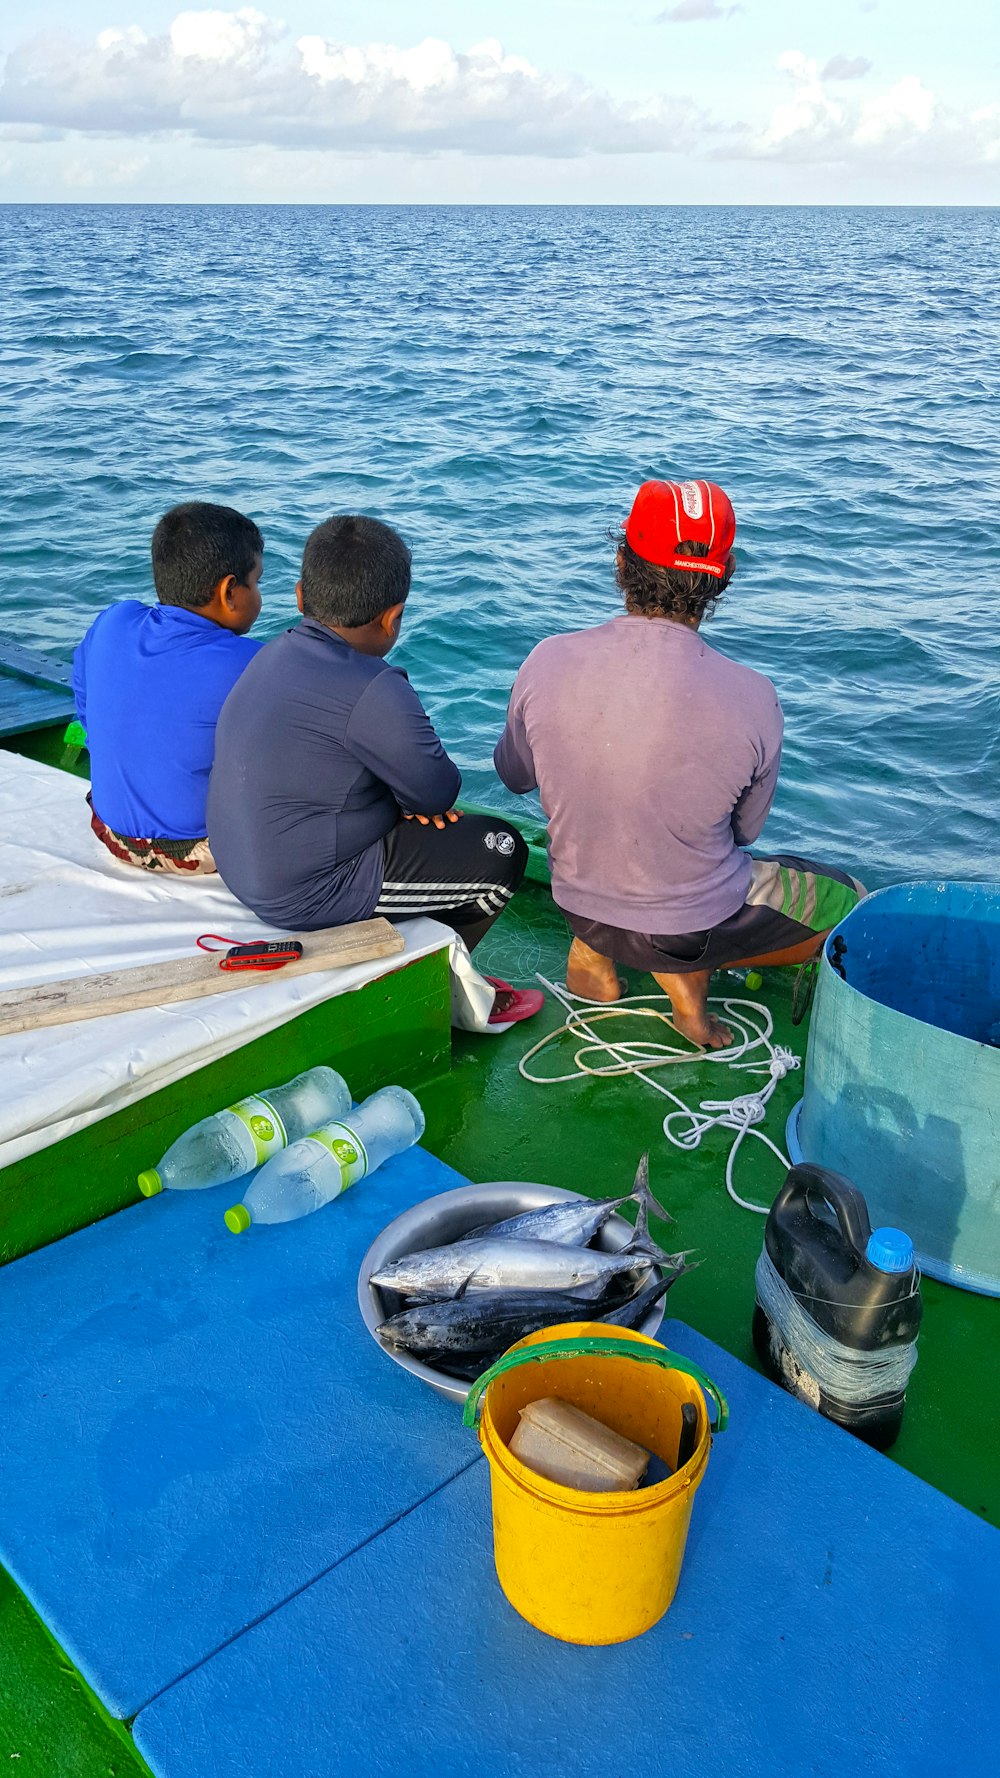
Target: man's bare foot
<point>708,1031</point>
<point>688,995</point>
<point>590,975</point>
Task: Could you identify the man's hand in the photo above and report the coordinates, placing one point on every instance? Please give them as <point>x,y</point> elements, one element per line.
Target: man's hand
<point>435,820</point>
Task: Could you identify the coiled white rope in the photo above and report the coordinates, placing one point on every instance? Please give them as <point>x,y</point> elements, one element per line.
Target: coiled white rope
<point>850,1377</point>
<point>741,1114</point>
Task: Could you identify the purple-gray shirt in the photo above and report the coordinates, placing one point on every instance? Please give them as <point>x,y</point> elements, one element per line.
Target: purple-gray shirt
<point>656,759</point>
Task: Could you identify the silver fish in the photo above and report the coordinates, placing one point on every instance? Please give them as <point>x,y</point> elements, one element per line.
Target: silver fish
<point>482,1322</point>
<point>575,1224</point>
<point>495,1262</point>
<point>633,1312</point>
<point>464,1335</point>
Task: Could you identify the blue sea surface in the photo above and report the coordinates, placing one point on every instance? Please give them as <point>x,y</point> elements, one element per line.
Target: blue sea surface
<point>496,382</point>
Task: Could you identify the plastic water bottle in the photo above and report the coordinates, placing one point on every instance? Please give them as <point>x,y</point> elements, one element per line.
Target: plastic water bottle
<point>750,978</point>
<point>239,1140</point>
<point>317,1169</point>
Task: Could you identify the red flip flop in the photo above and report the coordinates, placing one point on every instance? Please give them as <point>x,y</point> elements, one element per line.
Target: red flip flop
<point>522,1004</point>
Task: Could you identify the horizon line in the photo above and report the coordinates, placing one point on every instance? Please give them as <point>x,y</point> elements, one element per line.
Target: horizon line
<point>456,204</point>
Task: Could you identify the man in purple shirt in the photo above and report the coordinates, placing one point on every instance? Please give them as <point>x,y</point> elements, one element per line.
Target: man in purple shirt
<point>657,759</point>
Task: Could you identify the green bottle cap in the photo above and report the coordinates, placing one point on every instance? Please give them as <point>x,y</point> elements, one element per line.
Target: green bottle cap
<point>150,1183</point>
<point>754,979</point>
<point>238,1219</point>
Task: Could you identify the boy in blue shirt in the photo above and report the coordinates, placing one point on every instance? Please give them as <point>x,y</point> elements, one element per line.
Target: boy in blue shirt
<point>149,682</point>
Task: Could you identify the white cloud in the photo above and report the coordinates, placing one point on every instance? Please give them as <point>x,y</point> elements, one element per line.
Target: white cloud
<point>431,64</point>
<point>907,110</point>
<point>127,168</point>
<point>846,68</point>
<point>28,132</point>
<point>242,37</point>
<point>122,170</point>
<point>230,77</point>
<point>906,122</point>
<point>113,37</point>
<point>810,113</point>
<point>689,12</point>
<point>235,77</point>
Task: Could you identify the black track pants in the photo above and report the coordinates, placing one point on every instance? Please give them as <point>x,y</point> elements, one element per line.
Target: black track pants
<point>463,874</point>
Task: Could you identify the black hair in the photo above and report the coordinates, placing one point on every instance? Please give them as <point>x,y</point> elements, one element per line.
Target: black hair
<point>353,569</point>
<point>197,545</point>
<point>652,591</point>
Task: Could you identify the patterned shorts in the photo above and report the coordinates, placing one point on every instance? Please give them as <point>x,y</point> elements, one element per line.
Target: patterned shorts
<point>790,900</point>
<point>189,858</point>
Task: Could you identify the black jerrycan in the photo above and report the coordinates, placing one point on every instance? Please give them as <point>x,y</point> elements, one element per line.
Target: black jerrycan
<point>858,1287</point>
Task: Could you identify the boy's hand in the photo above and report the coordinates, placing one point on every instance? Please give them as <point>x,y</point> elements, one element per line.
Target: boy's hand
<point>435,820</point>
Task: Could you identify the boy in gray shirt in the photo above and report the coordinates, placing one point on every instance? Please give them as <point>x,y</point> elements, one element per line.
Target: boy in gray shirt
<point>331,794</point>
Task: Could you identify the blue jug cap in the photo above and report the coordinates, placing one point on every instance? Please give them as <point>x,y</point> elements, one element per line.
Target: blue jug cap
<point>890,1250</point>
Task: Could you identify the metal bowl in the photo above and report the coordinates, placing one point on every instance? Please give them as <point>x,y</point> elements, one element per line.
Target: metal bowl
<point>438,1221</point>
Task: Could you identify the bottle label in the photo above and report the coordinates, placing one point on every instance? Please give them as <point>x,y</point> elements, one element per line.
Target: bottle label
<point>347,1149</point>
<point>267,1132</point>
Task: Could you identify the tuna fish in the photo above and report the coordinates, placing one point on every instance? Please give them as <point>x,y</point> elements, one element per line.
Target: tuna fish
<point>574,1224</point>
<point>485,1321</point>
<point>465,1335</point>
<point>498,1262</point>
<point>633,1312</point>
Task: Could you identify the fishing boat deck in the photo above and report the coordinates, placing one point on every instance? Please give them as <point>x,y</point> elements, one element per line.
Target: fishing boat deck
<point>248,1511</point>
<point>797,1620</point>
<point>484,1119</point>
<point>487,1122</point>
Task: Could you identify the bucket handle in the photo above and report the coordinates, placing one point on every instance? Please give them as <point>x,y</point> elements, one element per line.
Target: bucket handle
<point>596,1346</point>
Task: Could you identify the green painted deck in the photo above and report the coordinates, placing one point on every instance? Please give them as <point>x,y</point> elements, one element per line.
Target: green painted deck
<point>486,1121</point>
<point>51,1725</point>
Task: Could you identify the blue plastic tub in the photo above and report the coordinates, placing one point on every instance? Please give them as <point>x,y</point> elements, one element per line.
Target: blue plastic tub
<point>902,1080</point>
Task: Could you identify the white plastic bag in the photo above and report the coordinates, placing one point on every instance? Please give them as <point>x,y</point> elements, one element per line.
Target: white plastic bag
<point>472,996</point>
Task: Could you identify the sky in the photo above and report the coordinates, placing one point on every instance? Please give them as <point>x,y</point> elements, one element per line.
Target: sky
<point>528,101</point>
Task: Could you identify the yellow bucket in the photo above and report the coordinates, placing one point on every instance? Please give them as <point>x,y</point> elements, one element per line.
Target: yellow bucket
<point>593,1568</point>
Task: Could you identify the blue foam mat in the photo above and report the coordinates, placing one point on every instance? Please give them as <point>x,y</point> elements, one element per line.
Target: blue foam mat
<point>196,1424</point>
<point>835,1617</point>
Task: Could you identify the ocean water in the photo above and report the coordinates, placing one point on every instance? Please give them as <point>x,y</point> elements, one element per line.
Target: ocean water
<point>496,383</point>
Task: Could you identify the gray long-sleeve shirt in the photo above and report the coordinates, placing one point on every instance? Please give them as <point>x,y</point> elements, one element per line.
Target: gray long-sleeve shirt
<point>315,757</point>
<point>656,759</point>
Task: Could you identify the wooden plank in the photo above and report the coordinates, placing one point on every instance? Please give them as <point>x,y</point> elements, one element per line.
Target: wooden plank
<point>185,978</point>
<point>24,663</point>
<point>34,690</point>
<point>25,708</point>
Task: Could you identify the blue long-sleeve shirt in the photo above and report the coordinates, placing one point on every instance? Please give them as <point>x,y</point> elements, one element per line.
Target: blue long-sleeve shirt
<point>148,684</point>
<point>318,750</point>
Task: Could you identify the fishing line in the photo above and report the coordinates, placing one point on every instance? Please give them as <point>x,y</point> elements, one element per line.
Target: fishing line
<point>847,1375</point>
<point>741,1114</point>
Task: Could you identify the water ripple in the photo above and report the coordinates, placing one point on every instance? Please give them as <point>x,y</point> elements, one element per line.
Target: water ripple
<point>496,382</point>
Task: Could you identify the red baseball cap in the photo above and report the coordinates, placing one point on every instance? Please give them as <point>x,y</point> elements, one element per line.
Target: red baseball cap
<point>666,514</point>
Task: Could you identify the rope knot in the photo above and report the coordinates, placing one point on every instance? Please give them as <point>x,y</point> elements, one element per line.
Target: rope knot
<point>747,1110</point>
<point>782,1062</point>
<point>683,1126</point>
